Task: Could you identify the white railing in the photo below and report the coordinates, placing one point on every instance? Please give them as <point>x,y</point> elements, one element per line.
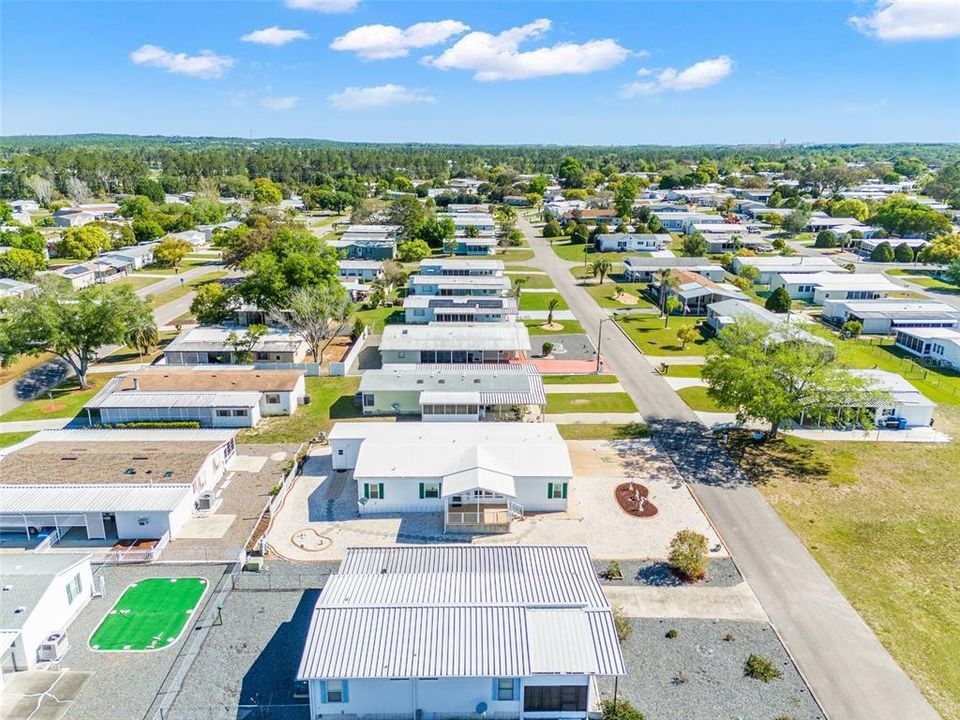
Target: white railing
<point>49,541</point>
<point>133,555</point>
<point>515,509</point>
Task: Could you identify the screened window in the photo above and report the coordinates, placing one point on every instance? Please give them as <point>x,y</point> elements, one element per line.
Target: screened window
<point>431,490</point>
<point>554,698</point>
<point>334,691</point>
<point>505,689</point>
<point>374,491</point>
<point>272,399</point>
<point>74,588</point>
<point>368,400</point>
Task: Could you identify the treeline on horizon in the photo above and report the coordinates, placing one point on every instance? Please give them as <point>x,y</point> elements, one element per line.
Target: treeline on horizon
<point>115,162</point>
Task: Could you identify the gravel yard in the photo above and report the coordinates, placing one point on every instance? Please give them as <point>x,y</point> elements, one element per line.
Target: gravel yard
<point>721,572</point>
<point>698,675</point>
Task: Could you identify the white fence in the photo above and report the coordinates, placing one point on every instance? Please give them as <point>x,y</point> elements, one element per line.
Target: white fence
<point>133,555</point>
<point>339,369</point>
<point>309,369</point>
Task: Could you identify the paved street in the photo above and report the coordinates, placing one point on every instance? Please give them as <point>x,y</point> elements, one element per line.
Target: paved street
<point>849,672</point>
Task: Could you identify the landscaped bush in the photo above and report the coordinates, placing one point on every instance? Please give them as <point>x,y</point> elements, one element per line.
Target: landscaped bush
<point>613,570</point>
<point>761,668</point>
<point>622,623</point>
<point>152,425</point>
<point>546,348</point>
<point>671,633</point>
<point>622,710</point>
<point>688,555</point>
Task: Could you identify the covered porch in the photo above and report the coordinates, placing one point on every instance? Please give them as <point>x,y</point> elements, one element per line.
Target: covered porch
<point>479,500</point>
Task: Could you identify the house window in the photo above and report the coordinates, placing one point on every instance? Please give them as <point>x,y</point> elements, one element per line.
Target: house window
<point>373,491</point>
<point>430,490</point>
<point>552,698</point>
<point>74,588</point>
<point>239,413</point>
<point>143,520</point>
<point>273,399</point>
<point>368,400</point>
<point>223,413</point>
<point>505,689</point>
<point>334,691</point>
<point>556,491</point>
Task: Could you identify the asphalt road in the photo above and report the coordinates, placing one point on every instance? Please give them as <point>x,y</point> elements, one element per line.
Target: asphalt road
<point>849,672</point>
<point>48,375</point>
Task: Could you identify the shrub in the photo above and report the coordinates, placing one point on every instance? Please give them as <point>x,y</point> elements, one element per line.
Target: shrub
<point>672,633</point>
<point>357,330</point>
<point>621,710</point>
<point>761,668</point>
<point>622,623</point>
<point>728,637</point>
<point>688,555</point>
<point>882,253</point>
<point>552,229</point>
<point>613,570</point>
<point>826,239</point>
<point>152,425</point>
<point>852,328</point>
<point>903,253</point>
<point>778,301</point>
<point>547,348</point>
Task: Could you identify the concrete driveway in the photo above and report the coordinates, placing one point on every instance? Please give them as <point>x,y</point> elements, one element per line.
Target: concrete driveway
<point>40,694</point>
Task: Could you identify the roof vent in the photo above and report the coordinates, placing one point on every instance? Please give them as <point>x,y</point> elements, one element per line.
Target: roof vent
<point>129,471</point>
<point>19,610</point>
<point>7,588</point>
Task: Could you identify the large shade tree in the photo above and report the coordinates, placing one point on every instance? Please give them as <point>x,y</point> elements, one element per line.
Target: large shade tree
<point>778,372</point>
<point>72,325</point>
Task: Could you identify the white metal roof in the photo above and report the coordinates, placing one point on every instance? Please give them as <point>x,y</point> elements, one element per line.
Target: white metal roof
<point>479,479</point>
<point>461,611</point>
<point>45,499</point>
<point>438,397</point>
<point>786,261</point>
<point>842,281</point>
<point>141,399</point>
<point>459,336</point>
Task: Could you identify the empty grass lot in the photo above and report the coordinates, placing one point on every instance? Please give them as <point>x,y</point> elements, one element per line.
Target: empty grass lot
<point>618,402</point>
<point>67,401</point>
<point>568,327</point>
<point>603,431</point>
<point>174,293</point>
<point>379,317</point>
<point>605,295</point>
<point>881,519</point>
<point>539,282</point>
<point>136,282</point>
<point>331,399</point>
<point>580,379</point>
<point>540,301</point>
<point>188,263</point>
<point>574,253</point>
<point>150,615</point>
<point>652,338</point>
<point>696,398</point>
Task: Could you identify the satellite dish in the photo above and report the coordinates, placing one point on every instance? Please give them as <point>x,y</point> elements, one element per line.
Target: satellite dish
<point>481,708</point>
<point>395,406</point>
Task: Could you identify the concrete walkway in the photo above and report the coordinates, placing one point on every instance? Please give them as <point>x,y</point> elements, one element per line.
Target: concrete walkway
<point>693,601</point>
<point>583,389</point>
<point>850,673</point>
<point>678,383</point>
<point>33,425</point>
<point>676,359</point>
<point>592,418</point>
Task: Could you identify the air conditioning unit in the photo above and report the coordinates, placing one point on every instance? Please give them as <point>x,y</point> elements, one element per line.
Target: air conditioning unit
<point>205,502</point>
<point>54,647</point>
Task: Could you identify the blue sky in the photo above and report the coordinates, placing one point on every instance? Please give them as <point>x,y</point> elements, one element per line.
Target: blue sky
<point>563,72</point>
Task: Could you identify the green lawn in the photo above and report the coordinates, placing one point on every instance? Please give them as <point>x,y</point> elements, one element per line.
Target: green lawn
<point>574,253</point>
<point>8,439</point>
<point>580,379</point>
<point>179,291</point>
<point>604,295</point>
<point>188,263</point>
<point>509,255</point>
<point>696,398</point>
<point>131,355</point>
<point>603,431</point>
<point>540,282</point>
<point>150,615</point>
<point>882,520</point>
<point>684,371</point>
<point>569,327</point>
<point>135,282</point>
<point>540,300</point>
<point>652,338</point>
<point>378,317</point>
<point>68,400</point>
<point>927,279</point>
<point>939,384</point>
<point>331,399</point>
<point>618,402</point>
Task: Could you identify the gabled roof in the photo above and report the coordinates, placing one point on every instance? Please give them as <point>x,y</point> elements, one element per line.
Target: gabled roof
<point>462,611</point>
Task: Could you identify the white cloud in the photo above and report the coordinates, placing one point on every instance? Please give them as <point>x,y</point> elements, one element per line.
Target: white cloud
<point>284,102</point>
<point>498,57</point>
<point>699,75</point>
<point>911,20</point>
<point>379,42</point>
<point>362,98</point>
<point>324,6</point>
<point>274,36</point>
<point>206,65</point>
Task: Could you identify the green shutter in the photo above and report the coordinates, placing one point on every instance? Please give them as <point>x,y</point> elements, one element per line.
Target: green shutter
<point>421,491</point>
<point>381,491</point>
<point>549,491</point>
<point>565,491</point>
<point>366,490</point>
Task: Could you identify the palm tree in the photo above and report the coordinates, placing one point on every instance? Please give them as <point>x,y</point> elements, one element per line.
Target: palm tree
<point>142,334</point>
<point>551,306</point>
<point>600,268</point>
<point>518,288</point>
<point>668,281</point>
<point>673,303</point>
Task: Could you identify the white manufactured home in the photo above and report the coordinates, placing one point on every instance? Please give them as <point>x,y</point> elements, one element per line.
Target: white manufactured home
<point>434,632</point>
<point>500,342</point>
<point>822,286</point>
<point>771,266</point>
<point>479,476</point>
<point>887,315</point>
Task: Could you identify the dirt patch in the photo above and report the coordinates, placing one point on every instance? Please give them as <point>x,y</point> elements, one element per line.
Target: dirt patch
<point>626,298</point>
<point>552,327</point>
<point>336,349</point>
<point>634,499</point>
<point>52,408</point>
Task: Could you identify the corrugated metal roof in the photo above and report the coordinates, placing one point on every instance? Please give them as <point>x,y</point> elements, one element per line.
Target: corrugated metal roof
<point>438,397</point>
<point>141,399</point>
<point>20,499</point>
<point>456,336</point>
<point>462,611</point>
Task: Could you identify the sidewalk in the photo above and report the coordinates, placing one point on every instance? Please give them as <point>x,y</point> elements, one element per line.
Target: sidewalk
<point>708,603</point>
<point>32,425</point>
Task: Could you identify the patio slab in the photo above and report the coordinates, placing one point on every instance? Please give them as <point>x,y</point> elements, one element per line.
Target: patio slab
<point>710,603</point>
